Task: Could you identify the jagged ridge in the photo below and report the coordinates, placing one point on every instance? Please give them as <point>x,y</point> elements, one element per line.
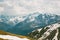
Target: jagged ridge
<point>51,32</point>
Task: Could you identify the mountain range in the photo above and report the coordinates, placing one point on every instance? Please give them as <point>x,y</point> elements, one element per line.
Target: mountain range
<point>26,24</point>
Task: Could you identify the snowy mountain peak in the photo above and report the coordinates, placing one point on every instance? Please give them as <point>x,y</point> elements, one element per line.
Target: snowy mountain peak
<point>54,26</point>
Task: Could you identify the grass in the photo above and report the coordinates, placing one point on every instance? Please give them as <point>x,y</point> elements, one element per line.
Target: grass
<point>3,39</point>
<point>7,33</point>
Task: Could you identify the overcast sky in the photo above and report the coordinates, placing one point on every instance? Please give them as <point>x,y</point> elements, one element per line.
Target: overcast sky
<point>22,7</point>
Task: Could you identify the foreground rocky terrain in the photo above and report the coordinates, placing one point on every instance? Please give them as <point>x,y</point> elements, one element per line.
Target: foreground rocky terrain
<point>51,32</point>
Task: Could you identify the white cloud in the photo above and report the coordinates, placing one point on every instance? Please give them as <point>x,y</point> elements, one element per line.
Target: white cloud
<point>1,9</point>
<point>22,7</point>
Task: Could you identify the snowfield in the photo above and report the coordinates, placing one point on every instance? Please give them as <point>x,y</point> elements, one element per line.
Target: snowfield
<point>12,37</point>
<point>51,28</point>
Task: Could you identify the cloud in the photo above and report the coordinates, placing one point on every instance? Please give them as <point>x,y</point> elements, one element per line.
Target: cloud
<point>22,7</point>
<point>1,9</point>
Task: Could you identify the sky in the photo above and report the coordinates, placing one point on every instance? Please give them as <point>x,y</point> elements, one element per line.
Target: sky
<point>24,7</point>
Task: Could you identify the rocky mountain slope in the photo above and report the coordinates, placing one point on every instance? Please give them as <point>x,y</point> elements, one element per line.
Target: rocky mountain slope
<point>51,32</point>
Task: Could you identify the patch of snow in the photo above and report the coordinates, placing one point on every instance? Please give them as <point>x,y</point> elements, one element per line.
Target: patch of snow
<point>34,26</point>
<point>39,29</point>
<point>33,31</point>
<point>17,18</point>
<point>1,20</point>
<point>56,36</point>
<point>12,37</point>
<point>12,19</point>
<point>54,26</point>
<point>32,19</point>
